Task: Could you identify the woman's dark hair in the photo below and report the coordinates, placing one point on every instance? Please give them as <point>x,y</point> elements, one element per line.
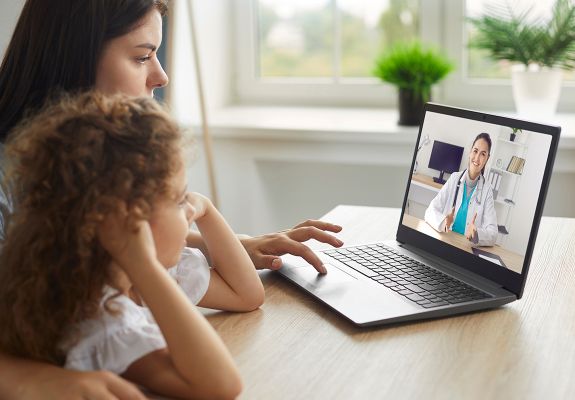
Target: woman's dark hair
<point>487,138</point>
<point>55,48</point>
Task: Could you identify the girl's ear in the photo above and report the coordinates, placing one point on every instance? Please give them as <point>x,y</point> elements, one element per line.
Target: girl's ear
<point>138,211</point>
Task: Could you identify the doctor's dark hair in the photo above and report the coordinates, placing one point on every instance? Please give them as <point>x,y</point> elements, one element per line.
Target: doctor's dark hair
<point>55,48</point>
<point>487,138</point>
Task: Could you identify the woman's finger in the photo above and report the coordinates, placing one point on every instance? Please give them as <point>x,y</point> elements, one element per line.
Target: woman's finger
<point>267,261</point>
<point>324,226</point>
<point>303,234</point>
<point>301,250</point>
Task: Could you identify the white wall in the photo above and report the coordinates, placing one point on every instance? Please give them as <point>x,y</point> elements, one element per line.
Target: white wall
<point>213,23</point>
<point>527,192</point>
<point>9,13</point>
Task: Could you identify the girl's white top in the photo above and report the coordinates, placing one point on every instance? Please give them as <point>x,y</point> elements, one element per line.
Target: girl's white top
<point>113,342</point>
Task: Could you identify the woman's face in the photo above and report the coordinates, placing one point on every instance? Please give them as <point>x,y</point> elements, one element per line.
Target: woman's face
<point>478,157</point>
<point>129,63</point>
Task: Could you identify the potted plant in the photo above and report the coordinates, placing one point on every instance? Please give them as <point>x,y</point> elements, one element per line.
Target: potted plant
<point>514,132</point>
<point>538,48</point>
<point>414,70</point>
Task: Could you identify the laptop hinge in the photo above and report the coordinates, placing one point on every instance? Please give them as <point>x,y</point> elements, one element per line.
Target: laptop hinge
<point>433,259</point>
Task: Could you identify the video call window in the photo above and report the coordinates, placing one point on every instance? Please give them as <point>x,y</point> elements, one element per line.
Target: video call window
<point>475,186</point>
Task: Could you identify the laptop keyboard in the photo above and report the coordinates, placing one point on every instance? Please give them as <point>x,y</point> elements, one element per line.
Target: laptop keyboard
<point>410,278</point>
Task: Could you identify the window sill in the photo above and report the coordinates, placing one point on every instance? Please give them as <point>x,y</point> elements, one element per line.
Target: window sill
<point>357,125</point>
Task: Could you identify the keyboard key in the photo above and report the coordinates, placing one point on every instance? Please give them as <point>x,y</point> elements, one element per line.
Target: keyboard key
<point>360,268</point>
<point>414,297</point>
<point>414,288</point>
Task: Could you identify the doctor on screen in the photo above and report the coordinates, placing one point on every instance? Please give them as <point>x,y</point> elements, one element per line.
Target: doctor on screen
<point>465,203</point>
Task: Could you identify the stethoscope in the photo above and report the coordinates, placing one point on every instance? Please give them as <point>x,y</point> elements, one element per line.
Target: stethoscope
<point>477,195</point>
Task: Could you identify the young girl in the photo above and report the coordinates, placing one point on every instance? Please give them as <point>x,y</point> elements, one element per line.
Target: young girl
<point>88,278</point>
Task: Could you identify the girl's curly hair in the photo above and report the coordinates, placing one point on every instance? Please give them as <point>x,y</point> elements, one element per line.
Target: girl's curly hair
<point>70,166</point>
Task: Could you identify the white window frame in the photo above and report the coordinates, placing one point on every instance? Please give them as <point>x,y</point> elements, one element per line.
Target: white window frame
<point>441,24</point>
<point>310,91</point>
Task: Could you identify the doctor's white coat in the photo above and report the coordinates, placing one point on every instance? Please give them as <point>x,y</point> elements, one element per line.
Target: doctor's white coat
<point>486,221</point>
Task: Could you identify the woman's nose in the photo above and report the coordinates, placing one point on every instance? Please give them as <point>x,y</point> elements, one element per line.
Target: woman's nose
<point>158,78</point>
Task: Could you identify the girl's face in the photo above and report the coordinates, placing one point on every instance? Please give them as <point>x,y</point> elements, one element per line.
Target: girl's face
<point>170,221</point>
<point>129,63</point>
<point>478,157</point>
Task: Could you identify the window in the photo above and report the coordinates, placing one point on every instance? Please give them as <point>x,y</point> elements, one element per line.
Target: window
<point>329,39</point>
<point>321,52</point>
<point>479,65</point>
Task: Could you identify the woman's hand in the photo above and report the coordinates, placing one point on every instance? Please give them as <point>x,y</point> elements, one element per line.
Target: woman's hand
<point>449,219</point>
<point>471,229</point>
<point>265,250</point>
<point>58,383</point>
<point>127,238</point>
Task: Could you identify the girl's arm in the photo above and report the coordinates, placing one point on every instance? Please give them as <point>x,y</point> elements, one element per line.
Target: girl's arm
<point>31,380</point>
<point>234,282</point>
<point>196,363</point>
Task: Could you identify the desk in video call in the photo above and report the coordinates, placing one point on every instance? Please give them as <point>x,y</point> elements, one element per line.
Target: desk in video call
<point>512,260</point>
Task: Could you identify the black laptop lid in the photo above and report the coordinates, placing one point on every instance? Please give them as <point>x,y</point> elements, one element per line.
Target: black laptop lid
<point>504,204</point>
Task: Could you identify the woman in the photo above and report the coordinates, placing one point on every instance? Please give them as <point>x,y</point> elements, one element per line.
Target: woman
<point>465,203</point>
<point>66,46</point>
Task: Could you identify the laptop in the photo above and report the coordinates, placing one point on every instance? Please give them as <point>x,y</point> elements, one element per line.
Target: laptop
<point>430,272</point>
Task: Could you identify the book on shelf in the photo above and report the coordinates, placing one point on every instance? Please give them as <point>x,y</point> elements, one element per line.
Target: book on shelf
<point>516,165</point>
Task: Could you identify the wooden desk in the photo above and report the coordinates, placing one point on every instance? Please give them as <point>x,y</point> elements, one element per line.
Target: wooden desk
<point>512,260</point>
<point>427,180</point>
<point>295,348</point>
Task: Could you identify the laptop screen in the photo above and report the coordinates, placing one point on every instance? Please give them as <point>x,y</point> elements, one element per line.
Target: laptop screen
<point>488,204</point>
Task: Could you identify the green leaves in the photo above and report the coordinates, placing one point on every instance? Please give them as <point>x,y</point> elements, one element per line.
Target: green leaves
<point>523,39</point>
<point>410,66</point>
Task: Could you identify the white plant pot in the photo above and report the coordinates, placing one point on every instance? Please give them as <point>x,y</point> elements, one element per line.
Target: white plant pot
<point>536,90</point>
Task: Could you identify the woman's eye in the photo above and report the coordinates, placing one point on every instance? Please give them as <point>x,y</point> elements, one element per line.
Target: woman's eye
<point>142,60</point>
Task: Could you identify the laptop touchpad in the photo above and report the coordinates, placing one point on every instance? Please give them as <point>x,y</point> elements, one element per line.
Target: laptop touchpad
<point>334,279</point>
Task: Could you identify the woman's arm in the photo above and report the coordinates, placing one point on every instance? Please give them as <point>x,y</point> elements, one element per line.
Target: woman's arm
<point>487,230</point>
<point>196,363</point>
<point>435,214</point>
<point>32,380</point>
<point>234,283</point>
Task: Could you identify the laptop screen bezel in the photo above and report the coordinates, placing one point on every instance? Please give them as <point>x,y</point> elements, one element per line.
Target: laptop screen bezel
<point>510,280</point>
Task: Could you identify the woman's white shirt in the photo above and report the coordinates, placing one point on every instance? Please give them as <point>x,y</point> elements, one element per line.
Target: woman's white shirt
<point>486,221</point>
<point>113,342</point>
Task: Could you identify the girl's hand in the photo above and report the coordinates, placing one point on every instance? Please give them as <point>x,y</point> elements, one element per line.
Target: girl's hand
<point>127,238</point>
<point>265,250</point>
<point>199,204</point>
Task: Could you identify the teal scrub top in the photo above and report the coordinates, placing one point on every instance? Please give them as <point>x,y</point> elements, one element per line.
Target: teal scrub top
<point>461,217</point>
